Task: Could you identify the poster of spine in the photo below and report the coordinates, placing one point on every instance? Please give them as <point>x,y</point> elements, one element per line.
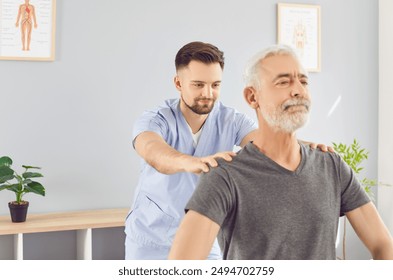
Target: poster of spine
<point>27,29</point>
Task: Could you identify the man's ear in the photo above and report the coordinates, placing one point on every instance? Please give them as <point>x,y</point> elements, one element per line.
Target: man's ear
<point>251,97</point>
<point>176,80</point>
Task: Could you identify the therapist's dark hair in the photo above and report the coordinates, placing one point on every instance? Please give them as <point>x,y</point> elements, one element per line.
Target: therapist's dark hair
<point>199,51</point>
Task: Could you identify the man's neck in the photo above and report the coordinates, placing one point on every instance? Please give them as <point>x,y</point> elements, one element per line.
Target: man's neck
<point>195,121</point>
<point>283,148</point>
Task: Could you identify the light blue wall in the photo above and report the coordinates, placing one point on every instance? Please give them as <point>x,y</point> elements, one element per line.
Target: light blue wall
<point>114,59</point>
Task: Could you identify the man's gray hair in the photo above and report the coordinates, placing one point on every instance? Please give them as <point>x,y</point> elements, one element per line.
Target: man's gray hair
<point>251,72</point>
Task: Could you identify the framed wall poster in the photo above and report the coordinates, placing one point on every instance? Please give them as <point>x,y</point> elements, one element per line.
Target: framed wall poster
<point>299,26</point>
<point>27,29</point>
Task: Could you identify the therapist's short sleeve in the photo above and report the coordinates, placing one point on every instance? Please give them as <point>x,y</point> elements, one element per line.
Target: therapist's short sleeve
<point>244,125</point>
<point>152,121</point>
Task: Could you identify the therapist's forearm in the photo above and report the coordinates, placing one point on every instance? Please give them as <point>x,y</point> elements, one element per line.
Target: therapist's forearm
<point>165,159</point>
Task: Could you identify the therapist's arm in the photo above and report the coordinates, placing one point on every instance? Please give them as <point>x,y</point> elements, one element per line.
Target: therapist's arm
<point>194,238</point>
<point>370,228</point>
<point>165,159</point>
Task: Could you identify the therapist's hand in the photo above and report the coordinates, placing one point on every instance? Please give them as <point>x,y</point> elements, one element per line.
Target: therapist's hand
<point>166,160</point>
<point>322,147</point>
<point>198,165</point>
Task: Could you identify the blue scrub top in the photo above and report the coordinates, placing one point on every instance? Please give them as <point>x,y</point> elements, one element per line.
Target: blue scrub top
<point>160,199</point>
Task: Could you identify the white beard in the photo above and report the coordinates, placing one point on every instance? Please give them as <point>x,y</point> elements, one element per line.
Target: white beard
<point>283,120</point>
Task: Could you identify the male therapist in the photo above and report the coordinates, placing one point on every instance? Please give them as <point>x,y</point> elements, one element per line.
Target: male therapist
<point>177,141</point>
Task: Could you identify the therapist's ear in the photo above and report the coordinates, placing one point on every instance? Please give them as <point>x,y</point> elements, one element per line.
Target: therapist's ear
<point>251,97</point>
<point>176,80</point>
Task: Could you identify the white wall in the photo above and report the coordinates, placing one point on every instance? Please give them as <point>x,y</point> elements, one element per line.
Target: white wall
<point>385,139</point>
<point>115,58</point>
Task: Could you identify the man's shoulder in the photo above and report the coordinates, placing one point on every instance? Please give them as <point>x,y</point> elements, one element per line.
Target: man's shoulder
<point>225,109</point>
<point>169,104</point>
<point>240,161</point>
<point>230,116</point>
<point>163,116</point>
<point>317,155</point>
<point>165,109</point>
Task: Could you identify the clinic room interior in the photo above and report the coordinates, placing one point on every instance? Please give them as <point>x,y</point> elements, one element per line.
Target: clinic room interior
<point>70,95</point>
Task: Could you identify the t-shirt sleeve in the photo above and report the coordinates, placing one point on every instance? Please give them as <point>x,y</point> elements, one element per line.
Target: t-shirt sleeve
<point>152,121</point>
<point>352,193</point>
<point>244,126</point>
<point>213,196</point>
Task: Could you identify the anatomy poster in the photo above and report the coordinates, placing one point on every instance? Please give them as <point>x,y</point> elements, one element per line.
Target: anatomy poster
<point>27,29</point>
<point>299,27</point>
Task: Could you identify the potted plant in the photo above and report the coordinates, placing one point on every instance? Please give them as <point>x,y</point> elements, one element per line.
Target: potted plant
<point>354,155</point>
<point>20,185</point>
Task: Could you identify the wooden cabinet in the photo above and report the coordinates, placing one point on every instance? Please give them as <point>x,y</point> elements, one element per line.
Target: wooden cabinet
<point>82,222</point>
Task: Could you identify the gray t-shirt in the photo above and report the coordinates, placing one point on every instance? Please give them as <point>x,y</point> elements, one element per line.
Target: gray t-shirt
<point>268,212</point>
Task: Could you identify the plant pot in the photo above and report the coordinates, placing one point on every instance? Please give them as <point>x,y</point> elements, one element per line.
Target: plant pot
<point>18,211</point>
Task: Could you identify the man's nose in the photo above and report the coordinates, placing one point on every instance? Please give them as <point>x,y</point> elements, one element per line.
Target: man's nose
<point>298,90</point>
<point>208,92</point>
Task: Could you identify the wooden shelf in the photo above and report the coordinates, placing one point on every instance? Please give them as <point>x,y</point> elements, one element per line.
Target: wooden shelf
<point>101,218</point>
<point>81,221</point>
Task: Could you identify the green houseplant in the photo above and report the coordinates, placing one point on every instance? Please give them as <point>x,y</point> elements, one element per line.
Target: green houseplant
<point>354,155</point>
<point>20,184</point>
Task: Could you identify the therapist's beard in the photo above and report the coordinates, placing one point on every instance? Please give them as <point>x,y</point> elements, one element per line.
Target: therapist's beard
<point>199,109</point>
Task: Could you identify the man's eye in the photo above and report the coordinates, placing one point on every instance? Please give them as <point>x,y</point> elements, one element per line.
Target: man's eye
<point>304,83</point>
<point>283,83</point>
<point>216,85</point>
<point>198,85</point>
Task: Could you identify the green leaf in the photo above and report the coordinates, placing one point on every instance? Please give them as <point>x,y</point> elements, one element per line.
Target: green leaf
<point>4,179</point>
<point>17,188</point>
<point>3,187</point>
<point>30,167</point>
<point>27,175</point>
<point>5,170</point>
<point>6,174</point>
<point>26,181</point>
<point>353,155</point>
<point>5,161</point>
<point>36,188</point>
